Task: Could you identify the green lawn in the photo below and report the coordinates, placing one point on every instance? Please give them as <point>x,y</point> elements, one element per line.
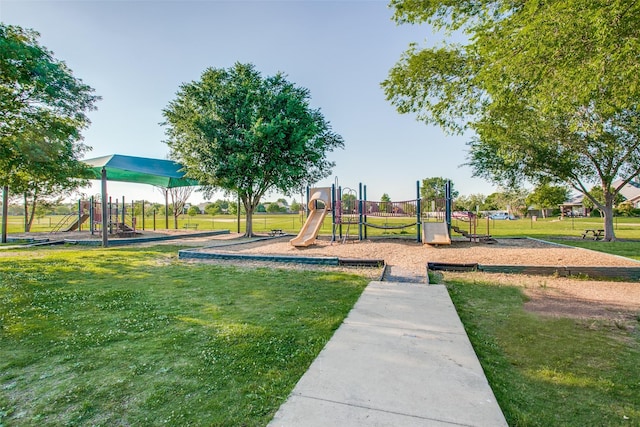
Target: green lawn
<point>133,337</point>
<point>551,371</point>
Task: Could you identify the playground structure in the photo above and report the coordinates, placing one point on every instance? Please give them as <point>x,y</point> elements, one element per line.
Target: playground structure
<point>318,205</point>
<point>123,219</point>
<point>351,211</point>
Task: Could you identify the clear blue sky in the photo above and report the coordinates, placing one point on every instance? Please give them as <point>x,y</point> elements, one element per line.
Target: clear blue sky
<point>135,54</point>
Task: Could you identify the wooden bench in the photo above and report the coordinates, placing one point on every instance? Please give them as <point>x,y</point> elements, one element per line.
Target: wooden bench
<point>592,233</point>
<point>194,226</point>
<point>276,232</point>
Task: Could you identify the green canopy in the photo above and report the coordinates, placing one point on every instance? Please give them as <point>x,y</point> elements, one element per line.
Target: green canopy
<point>161,173</point>
<point>116,167</point>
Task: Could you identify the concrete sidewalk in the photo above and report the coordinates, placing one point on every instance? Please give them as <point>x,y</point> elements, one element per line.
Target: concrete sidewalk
<point>401,358</point>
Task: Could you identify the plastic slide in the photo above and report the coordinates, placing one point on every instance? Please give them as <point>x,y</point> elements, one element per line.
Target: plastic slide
<point>76,224</point>
<point>309,231</point>
<point>435,233</point>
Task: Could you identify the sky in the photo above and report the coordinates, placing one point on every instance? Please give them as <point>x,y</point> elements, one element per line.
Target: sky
<point>136,54</point>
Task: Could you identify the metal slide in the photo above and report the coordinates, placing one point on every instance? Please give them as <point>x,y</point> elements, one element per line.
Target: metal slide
<point>435,233</point>
<point>309,231</point>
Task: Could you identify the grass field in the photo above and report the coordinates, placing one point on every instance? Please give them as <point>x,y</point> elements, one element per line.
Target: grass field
<point>133,337</point>
<point>551,371</point>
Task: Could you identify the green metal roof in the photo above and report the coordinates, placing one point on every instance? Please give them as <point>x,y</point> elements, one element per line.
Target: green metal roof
<point>142,170</point>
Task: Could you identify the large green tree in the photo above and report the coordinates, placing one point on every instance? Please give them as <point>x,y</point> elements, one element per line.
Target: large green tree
<point>434,188</point>
<point>550,89</point>
<point>547,196</point>
<point>237,130</point>
<point>43,109</point>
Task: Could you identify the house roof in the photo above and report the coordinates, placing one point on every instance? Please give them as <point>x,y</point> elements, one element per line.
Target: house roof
<point>631,191</point>
<point>142,170</point>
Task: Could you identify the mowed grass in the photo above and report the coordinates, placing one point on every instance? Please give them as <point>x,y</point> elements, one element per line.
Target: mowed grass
<point>136,337</point>
<point>551,371</point>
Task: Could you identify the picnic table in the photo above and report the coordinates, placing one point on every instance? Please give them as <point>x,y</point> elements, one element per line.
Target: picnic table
<point>593,233</point>
<point>276,232</point>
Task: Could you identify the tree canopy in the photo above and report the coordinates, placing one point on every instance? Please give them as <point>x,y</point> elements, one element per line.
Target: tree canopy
<point>237,130</point>
<point>547,196</point>
<point>43,109</point>
<point>563,107</point>
<point>434,188</point>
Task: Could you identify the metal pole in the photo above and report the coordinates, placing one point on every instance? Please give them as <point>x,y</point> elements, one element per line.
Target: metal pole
<point>418,214</point>
<point>360,234</point>
<point>166,208</point>
<point>333,212</point>
<point>79,215</point>
<point>365,212</point>
<point>341,209</point>
<point>447,208</point>
<point>5,212</point>
<point>92,216</point>
<point>105,235</point>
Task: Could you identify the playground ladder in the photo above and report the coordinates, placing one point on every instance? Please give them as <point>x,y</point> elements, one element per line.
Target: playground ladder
<point>62,223</point>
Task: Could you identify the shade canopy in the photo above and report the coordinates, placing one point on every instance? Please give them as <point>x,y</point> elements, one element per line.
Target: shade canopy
<point>141,170</point>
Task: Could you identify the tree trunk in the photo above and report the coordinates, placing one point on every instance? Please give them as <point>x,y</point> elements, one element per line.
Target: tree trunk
<point>248,221</point>
<point>607,213</point>
<point>26,213</point>
<point>29,215</point>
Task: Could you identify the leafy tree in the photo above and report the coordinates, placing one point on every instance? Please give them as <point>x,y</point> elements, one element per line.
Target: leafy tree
<point>434,188</point>
<point>179,197</point>
<point>295,206</point>
<point>248,134</point>
<point>560,108</point>
<point>547,196</point>
<point>193,210</point>
<point>275,208</point>
<point>43,109</point>
<point>493,202</point>
<point>597,194</point>
<point>349,203</point>
<point>212,209</point>
<point>626,209</point>
<point>233,209</point>
<point>471,202</point>
<point>384,203</point>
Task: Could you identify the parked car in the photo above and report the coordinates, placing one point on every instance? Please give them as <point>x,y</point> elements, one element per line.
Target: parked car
<point>501,215</point>
<point>462,215</point>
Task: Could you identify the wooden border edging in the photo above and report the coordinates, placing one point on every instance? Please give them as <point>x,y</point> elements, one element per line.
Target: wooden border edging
<point>626,273</point>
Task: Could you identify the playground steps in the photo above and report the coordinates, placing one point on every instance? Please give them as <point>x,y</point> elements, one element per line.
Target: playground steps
<point>483,238</point>
<point>77,223</point>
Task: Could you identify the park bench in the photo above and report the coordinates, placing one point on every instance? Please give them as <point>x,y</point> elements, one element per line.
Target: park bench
<point>276,232</point>
<point>187,226</point>
<point>592,233</point>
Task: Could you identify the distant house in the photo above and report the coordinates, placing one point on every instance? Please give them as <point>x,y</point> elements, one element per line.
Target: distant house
<point>573,207</point>
<point>631,192</point>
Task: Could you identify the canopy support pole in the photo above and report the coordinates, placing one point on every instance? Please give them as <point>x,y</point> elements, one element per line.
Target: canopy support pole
<point>5,211</point>
<point>105,235</point>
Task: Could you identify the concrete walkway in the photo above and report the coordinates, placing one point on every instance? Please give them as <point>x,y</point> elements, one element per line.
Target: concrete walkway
<point>401,358</point>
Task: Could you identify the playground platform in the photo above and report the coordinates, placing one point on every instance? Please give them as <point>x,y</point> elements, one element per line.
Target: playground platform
<point>400,358</point>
